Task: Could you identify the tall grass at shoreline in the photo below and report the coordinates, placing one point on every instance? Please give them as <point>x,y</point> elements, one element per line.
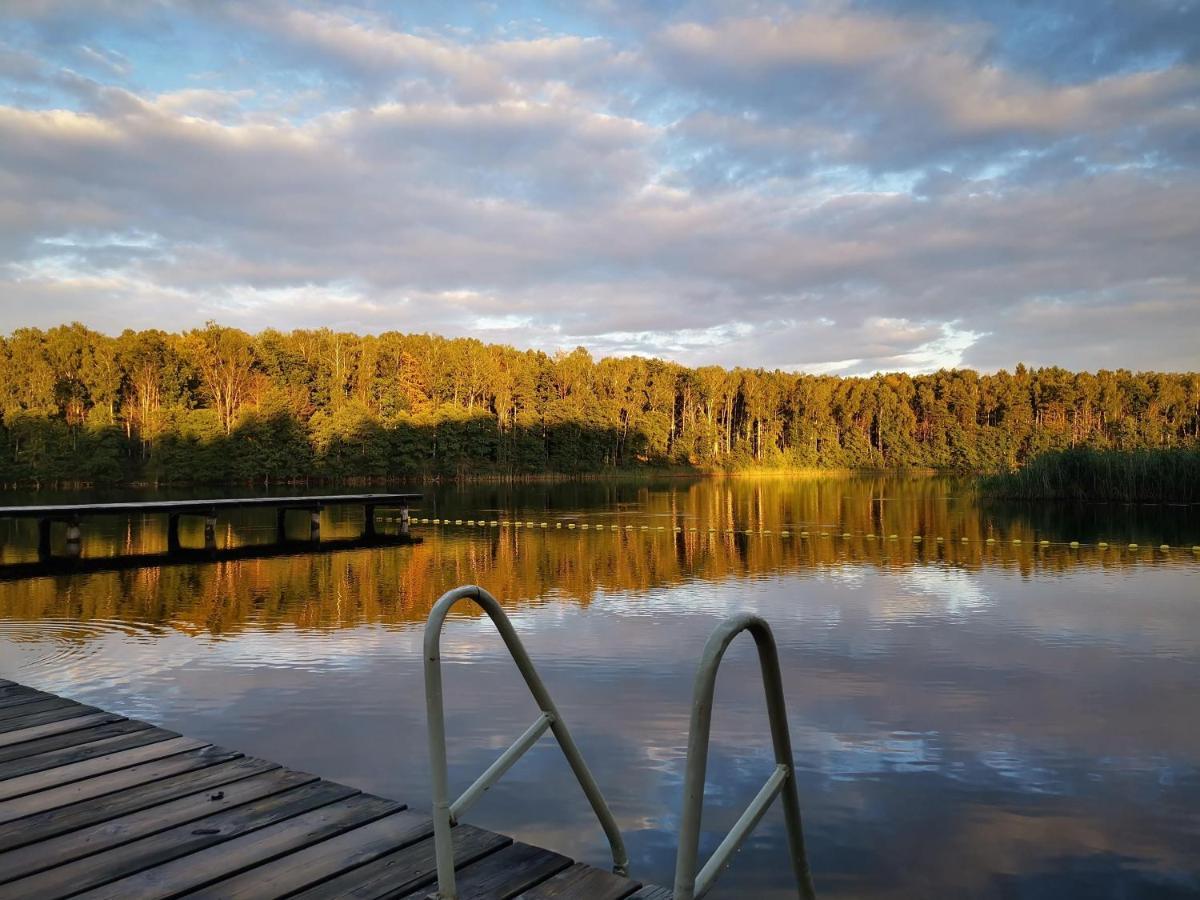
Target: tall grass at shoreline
<point>1137,476</point>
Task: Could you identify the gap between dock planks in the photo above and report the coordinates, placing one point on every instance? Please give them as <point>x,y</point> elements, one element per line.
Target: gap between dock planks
<point>95,805</point>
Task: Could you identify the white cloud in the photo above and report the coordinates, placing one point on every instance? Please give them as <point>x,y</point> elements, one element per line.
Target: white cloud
<point>829,190</point>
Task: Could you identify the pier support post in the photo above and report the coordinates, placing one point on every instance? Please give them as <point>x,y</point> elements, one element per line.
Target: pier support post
<point>44,539</point>
<point>74,537</point>
<point>404,518</point>
<point>281,524</point>
<point>172,532</point>
<point>368,521</point>
<point>210,530</point>
<point>314,527</point>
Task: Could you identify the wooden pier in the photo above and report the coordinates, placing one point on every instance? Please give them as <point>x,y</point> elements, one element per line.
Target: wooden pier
<point>95,805</point>
<point>73,514</point>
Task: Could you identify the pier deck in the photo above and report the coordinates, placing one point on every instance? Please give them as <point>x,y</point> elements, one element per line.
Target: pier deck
<point>73,514</point>
<point>93,804</point>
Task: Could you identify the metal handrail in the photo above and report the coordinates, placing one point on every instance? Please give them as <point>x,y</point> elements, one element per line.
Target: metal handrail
<point>445,814</point>
<point>688,883</point>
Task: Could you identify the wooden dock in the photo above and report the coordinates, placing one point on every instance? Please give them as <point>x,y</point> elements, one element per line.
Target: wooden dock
<point>72,514</point>
<point>95,805</point>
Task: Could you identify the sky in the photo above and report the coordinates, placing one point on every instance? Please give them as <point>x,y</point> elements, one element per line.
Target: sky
<point>842,186</point>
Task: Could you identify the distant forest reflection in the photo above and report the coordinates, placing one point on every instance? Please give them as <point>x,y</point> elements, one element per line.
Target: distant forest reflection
<point>655,534</point>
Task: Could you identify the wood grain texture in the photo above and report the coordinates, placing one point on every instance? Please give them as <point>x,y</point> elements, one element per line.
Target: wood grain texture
<point>163,803</point>
<point>263,844</point>
<point>35,706</point>
<point>75,763</point>
<point>652,892</point>
<point>96,806</point>
<point>507,873</point>
<point>581,882</point>
<point>323,860</point>
<point>58,741</point>
<point>34,809</point>
<point>32,731</point>
<point>407,870</point>
<point>283,801</point>
<point>143,831</point>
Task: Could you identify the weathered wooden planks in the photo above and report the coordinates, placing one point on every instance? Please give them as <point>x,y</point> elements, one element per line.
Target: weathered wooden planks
<point>409,869</point>
<point>322,861</point>
<point>582,881</point>
<point>60,809</point>
<point>36,773</point>
<point>116,808</point>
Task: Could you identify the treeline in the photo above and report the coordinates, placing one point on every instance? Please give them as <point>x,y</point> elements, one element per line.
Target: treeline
<point>216,404</point>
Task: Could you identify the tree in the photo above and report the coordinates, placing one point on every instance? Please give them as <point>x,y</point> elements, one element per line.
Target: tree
<point>225,359</point>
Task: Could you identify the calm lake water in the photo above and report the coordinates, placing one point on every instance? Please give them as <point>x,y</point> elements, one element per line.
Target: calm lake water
<point>968,718</point>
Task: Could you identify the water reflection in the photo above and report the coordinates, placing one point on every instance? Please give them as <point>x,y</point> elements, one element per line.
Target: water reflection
<point>979,719</point>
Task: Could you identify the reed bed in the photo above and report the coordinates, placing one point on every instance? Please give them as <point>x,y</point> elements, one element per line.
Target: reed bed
<point>1136,476</point>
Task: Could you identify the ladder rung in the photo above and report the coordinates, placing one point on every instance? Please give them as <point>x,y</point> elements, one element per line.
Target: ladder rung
<point>502,764</point>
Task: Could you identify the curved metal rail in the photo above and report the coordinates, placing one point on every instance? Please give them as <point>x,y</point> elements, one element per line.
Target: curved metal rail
<point>445,813</point>
<point>688,883</point>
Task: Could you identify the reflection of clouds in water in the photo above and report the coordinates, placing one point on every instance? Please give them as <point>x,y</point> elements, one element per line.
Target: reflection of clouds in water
<point>1016,764</point>
<point>285,648</point>
<point>845,757</point>
<point>959,593</point>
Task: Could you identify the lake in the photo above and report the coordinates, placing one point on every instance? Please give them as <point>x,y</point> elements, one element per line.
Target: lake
<point>969,718</point>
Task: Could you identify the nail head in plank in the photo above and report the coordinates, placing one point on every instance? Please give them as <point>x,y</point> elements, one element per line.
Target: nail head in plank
<point>202,868</point>
<point>102,837</point>
<point>193,772</point>
<point>147,852</point>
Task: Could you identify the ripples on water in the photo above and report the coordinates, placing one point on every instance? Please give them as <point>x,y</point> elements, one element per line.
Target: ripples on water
<point>985,720</point>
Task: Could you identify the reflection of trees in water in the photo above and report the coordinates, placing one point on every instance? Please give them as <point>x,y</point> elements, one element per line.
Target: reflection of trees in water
<point>397,586</point>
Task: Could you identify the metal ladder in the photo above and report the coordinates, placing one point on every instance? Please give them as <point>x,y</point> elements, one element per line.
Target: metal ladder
<point>445,814</point>
<point>689,884</point>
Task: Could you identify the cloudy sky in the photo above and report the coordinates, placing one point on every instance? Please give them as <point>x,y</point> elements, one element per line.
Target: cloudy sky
<point>828,186</point>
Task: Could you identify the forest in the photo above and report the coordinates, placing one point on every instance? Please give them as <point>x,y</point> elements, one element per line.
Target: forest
<point>216,404</point>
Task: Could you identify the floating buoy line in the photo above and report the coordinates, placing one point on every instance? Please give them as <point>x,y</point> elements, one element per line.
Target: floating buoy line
<point>785,533</point>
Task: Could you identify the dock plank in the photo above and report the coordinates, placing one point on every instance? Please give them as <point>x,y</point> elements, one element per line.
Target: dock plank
<point>76,763</point>
<point>116,808</point>
<point>74,711</point>
<point>9,756</point>
<point>54,819</point>
<point>321,861</point>
<point>579,882</point>
<point>201,868</point>
<point>507,873</point>
<point>407,870</point>
<point>36,706</point>
<point>11,698</point>
<point>652,892</point>
<point>133,857</point>
<point>126,829</point>
<point>47,729</point>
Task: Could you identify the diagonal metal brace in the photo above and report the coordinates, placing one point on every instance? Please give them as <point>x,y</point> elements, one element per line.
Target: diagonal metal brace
<point>445,814</point>
<point>782,783</point>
